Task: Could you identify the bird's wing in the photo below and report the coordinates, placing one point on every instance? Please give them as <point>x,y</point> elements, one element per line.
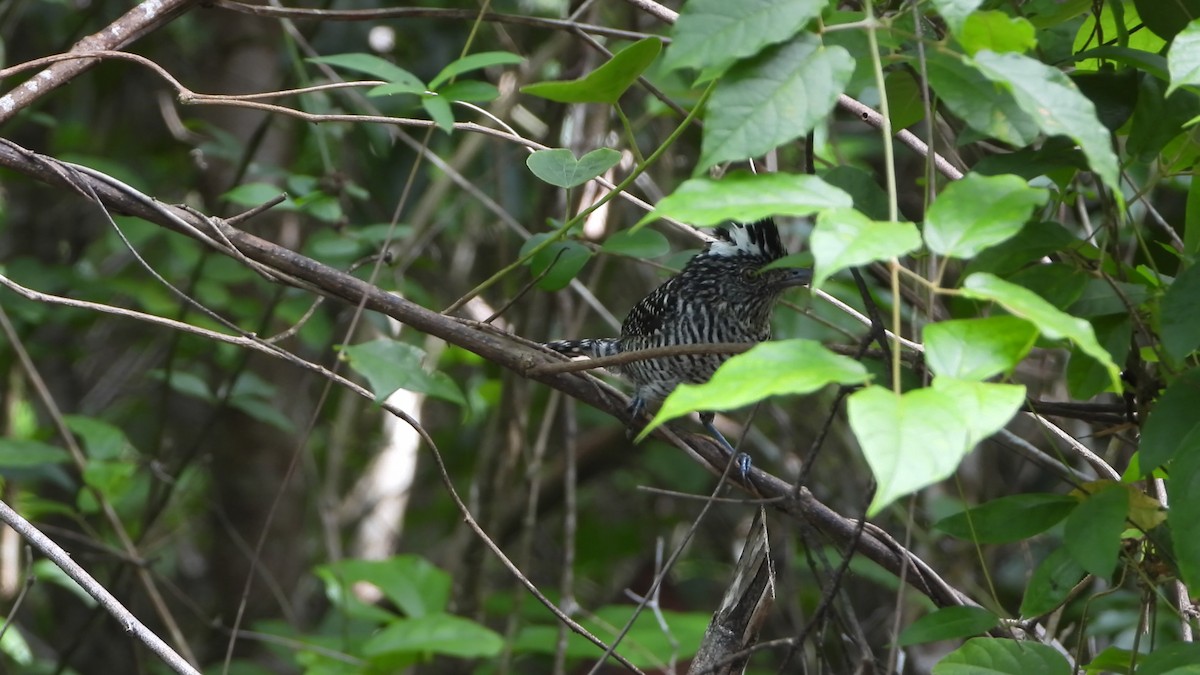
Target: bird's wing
<point>653,312</point>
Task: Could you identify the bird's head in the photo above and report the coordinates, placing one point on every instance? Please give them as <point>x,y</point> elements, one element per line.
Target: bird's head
<point>742,250</point>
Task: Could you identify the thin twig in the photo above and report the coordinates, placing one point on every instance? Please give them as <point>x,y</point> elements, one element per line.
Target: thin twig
<point>63,560</point>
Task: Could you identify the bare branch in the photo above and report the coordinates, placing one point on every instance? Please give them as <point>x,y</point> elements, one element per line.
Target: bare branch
<point>135,23</point>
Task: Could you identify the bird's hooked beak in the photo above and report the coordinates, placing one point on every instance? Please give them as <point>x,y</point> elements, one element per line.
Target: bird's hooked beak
<point>797,277</point>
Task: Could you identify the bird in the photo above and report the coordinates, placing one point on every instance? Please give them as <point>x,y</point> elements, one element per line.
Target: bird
<point>723,294</point>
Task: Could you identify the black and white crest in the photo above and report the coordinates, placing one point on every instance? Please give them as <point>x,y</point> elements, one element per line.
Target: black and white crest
<point>760,240</point>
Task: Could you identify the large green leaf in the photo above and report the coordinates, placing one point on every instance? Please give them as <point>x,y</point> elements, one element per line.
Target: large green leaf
<point>769,369</point>
<point>400,79</point>
<point>996,31</point>
<point>1180,316</point>
<point>948,623</point>
<point>473,62</point>
<point>1092,534</point>
<point>559,262</point>
<point>1172,420</point>
<point>1010,518</point>
<point>1051,583</point>
<point>640,243</point>
<point>984,105</point>
<point>747,197</point>
<point>1056,105</point>
<point>955,12</point>
<point>712,34</point>
<point>415,585</point>
<point>605,84</point>
<point>403,640</point>
<point>389,365</point>
<point>1183,59</point>
<point>918,438</point>
<point>776,97</point>
<point>23,453</point>
<point>1051,321</point>
<point>1183,517</point>
<point>976,349</point>
<point>997,656</point>
<point>846,238</point>
<point>559,167</point>
<point>979,211</point>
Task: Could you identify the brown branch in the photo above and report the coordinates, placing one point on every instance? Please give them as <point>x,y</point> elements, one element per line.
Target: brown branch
<point>508,351</point>
<point>143,19</point>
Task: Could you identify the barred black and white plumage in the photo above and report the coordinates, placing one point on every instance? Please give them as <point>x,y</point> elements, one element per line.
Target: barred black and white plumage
<point>721,295</point>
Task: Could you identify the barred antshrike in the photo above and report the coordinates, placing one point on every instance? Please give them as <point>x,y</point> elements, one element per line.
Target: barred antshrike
<point>721,295</point>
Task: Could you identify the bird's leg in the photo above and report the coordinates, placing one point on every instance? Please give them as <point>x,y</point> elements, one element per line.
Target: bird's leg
<point>637,406</point>
<point>742,459</point>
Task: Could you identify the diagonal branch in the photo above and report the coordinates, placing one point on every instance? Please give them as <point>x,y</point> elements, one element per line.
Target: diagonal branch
<point>143,19</point>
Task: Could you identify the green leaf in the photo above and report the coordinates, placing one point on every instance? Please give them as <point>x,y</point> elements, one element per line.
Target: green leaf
<point>416,89</point>
<point>17,453</point>
<point>956,12</point>
<point>1172,420</point>
<point>905,104</point>
<point>747,197</point>
<point>868,196</point>
<point>987,407</point>
<point>1176,658</point>
<point>563,259</point>
<point>414,584</point>
<point>1085,376</point>
<point>712,34</point>
<point>389,365</point>
<point>432,634</point>
<point>1008,519</point>
<point>1112,660</point>
<point>1183,58</point>
<point>997,656</point>
<point>637,243</point>
<point>101,440</point>
<point>439,111</point>
<point>375,66</point>
<point>1191,228</point>
<point>1180,315</point>
<point>1056,105</point>
<point>846,238</point>
<point>768,369</point>
<point>976,349</point>
<point>560,168</point>
<point>605,84</point>
<point>473,62</point>
<point>918,438</point>
<point>1052,322</point>
<point>1032,243</point>
<point>1183,487</point>
<point>1167,19</point>
<point>776,97</point>
<point>1051,583</point>
<point>979,211</point>
<point>948,623</point>
<point>1093,530</point>
<point>472,91</point>
<point>997,32</point>
<point>984,105</point>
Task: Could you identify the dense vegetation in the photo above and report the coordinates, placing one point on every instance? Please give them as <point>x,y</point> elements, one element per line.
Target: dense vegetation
<point>274,279</point>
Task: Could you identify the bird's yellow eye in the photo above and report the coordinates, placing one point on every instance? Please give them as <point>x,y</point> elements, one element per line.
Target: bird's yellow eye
<point>749,274</point>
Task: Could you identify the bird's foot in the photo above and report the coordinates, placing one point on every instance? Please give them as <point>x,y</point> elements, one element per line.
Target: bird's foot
<point>740,458</point>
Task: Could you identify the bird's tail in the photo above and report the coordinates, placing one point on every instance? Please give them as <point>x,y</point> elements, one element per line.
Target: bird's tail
<point>593,348</point>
